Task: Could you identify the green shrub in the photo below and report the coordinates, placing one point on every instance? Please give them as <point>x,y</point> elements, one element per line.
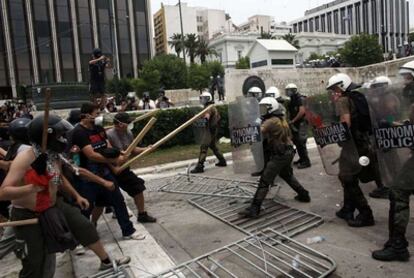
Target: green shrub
<point>169,120</point>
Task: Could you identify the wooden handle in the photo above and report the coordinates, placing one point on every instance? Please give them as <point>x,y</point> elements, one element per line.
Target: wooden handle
<point>166,138</point>
<point>32,221</point>
<point>46,120</point>
<point>140,136</point>
<point>140,118</point>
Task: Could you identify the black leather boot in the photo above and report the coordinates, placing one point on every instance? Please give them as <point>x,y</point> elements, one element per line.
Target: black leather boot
<point>394,250</point>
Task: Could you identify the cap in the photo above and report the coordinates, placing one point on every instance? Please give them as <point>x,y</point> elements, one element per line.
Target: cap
<point>122,117</point>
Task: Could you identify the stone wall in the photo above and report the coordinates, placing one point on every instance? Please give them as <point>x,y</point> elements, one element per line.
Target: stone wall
<point>183,97</point>
<point>309,80</point>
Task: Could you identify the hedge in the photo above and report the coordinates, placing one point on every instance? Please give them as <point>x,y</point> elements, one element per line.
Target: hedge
<point>169,120</point>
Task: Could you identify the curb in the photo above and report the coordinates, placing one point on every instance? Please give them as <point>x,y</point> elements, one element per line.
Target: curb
<point>180,165</point>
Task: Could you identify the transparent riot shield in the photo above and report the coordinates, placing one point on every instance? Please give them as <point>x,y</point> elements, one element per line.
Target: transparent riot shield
<point>392,116</point>
<point>245,134</point>
<point>201,131</point>
<point>336,146</point>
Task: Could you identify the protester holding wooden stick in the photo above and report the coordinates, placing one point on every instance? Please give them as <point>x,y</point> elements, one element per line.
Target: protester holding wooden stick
<point>121,138</point>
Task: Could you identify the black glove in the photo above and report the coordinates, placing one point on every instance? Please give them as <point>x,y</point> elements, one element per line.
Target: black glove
<point>40,164</point>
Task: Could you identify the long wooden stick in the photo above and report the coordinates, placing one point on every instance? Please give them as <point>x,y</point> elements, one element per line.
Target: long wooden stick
<point>46,120</point>
<point>166,138</point>
<point>140,136</point>
<point>140,118</point>
<point>32,221</point>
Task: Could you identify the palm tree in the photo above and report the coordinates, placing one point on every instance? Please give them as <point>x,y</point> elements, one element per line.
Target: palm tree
<point>203,50</point>
<point>177,43</point>
<point>290,38</point>
<point>191,45</point>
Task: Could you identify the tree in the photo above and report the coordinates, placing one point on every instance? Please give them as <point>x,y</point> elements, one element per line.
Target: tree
<point>191,46</point>
<point>315,56</point>
<point>203,50</point>
<point>243,63</point>
<point>266,36</point>
<point>171,69</point>
<point>119,87</point>
<point>215,68</point>
<point>411,37</point>
<point>177,43</point>
<point>361,50</point>
<point>198,77</point>
<point>290,38</point>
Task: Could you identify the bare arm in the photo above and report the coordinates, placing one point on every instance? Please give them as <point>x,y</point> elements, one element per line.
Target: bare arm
<point>346,118</point>
<point>3,152</point>
<point>94,61</point>
<point>5,165</point>
<point>301,113</point>
<point>10,188</point>
<point>96,179</point>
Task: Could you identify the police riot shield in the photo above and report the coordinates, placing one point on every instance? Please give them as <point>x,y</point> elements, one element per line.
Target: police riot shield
<point>333,138</point>
<point>245,135</point>
<point>392,117</point>
<point>201,131</point>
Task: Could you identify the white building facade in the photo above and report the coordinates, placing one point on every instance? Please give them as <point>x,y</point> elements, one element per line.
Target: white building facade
<point>319,43</point>
<point>196,20</point>
<point>230,47</point>
<point>389,19</point>
<point>272,54</point>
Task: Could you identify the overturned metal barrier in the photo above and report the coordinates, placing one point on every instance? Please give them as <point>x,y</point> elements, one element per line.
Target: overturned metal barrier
<point>205,186</point>
<point>284,219</point>
<point>266,254</point>
<point>115,272</point>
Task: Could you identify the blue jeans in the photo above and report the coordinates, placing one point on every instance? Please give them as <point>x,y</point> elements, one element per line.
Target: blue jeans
<point>96,193</point>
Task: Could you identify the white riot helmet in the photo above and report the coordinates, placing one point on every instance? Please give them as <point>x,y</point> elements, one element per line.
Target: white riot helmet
<point>273,92</point>
<point>268,105</point>
<point>205,97</point>
<point>255,92</point>
<point>407,68</point>
<point>340,80</point>
<point>380,82</point>
<point>291,89</point>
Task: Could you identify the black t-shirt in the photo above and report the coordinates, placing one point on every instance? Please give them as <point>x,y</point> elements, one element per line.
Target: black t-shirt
<point>97,72</point>
<point>296,101</point>
<point>96,137</point>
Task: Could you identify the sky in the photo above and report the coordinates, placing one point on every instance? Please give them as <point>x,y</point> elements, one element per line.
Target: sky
<point>240,10</point>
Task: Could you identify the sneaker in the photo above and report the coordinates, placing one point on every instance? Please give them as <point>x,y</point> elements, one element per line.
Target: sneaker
<point>304,165</point>
<point>304,197</point>
<point>146,218</point>
<point>297,162</point>
<point>345,214</point>
<point>256,174</point>
<point>362,220</point>
<point>121,261</point>
<point>380,193</point>
<point>197,170</point>
<point>80,250</point>
<point>221,164</point>
<point>135,236</point>
<point>389,254</point>
<point>250,212</point>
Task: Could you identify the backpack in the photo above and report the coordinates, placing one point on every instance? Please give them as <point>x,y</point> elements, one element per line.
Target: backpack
<point>361,120</point>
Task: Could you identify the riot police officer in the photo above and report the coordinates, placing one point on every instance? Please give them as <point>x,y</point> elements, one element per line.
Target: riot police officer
<point>342,87</point>
<point>212,118</point>
<point>396,248</point>
<point>298,125</point>
<point>279,146</point>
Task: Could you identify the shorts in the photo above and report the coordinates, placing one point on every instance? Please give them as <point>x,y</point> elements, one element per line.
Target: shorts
<point>130,183</point>
<point>97,89</point>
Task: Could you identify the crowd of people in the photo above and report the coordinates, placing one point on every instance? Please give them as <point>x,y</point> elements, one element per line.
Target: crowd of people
<point>67,185</point>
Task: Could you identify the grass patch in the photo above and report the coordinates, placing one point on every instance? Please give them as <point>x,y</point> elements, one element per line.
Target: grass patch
<point>173,154</point>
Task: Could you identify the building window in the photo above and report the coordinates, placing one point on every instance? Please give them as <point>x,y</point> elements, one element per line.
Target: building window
<point>199,29</point>
<point>259,64</point>
<point>305,26</point>
<point>85,36</point>
<point>336,22</point>
<point>323,23</point>
<point>329,19</point>
<point>239,54</point>
<point>311,25</point>
<point>282,62</point>
<point>317,24</point>
<point>124,41</point>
